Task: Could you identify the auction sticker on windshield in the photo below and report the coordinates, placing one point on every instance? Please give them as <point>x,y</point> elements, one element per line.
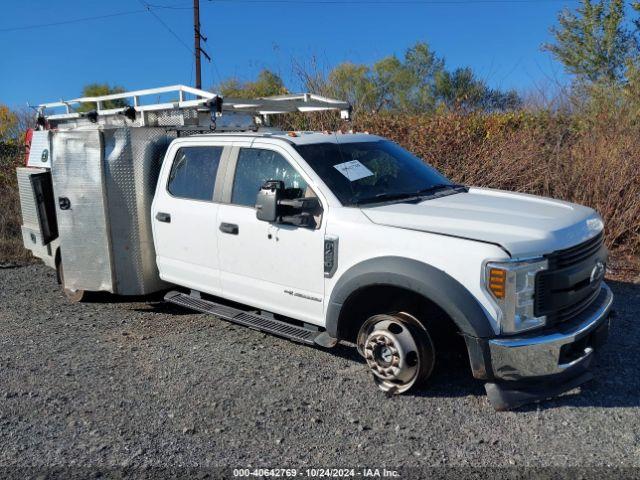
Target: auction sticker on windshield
<point>353,170</point>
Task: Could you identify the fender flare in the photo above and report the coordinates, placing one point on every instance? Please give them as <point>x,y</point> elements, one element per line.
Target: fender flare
<point>421,278</point>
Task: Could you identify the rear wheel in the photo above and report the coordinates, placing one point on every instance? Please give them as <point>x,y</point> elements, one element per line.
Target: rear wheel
<point>398,350</point>
<point>74,296</point>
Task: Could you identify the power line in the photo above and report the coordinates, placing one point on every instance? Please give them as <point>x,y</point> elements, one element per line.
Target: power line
<point>170,7</point>
<point>66,22</point>
<point>167,27</point>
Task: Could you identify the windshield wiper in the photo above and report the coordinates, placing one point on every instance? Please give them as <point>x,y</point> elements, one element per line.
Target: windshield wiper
<point>439,186</point>
<point>409,196</point>
<point>384,197</point>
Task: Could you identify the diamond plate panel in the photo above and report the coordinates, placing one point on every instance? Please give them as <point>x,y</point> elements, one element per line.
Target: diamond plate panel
<point>133,157</point>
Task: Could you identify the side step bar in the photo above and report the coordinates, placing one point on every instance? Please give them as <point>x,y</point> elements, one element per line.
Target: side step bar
<point>252,320</point>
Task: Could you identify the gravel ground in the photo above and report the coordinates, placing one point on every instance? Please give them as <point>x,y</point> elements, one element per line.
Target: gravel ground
<point>141,383</point>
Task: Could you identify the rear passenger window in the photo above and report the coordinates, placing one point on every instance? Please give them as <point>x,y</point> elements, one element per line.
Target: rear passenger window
<point>256,166</point>
<point>193,173</point>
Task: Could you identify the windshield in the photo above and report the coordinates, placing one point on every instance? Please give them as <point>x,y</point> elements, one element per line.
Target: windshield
<point>369,172</point>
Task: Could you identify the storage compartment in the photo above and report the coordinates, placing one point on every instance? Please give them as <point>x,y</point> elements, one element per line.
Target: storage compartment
<point>104,181</point>
<point>45,208</point>
<point>39,224</point>
<point>132,161</point>
<point>78,183</point>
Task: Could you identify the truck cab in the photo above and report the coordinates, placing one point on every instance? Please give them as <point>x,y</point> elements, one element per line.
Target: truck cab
<point>318,237</point>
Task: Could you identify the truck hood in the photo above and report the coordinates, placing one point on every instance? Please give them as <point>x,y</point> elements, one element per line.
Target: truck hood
<point>523,225</point>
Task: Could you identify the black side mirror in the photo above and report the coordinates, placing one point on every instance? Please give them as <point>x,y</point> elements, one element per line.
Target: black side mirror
<point>272,205</point>
<point>267,201</point>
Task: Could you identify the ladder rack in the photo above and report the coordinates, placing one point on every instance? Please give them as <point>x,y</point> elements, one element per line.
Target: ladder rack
<point>196,107</point>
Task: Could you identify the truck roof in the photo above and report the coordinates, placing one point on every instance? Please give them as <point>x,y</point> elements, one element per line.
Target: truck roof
<point>303,137</point>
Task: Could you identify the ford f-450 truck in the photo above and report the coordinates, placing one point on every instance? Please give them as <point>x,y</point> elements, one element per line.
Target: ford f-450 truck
<point>318,237</point>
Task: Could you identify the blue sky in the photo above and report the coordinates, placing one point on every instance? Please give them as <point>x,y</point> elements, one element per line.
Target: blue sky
<point>499,39</point>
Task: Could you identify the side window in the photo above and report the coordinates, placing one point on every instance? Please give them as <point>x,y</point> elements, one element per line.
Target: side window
<point>193,173</point>
<point>256,166</point>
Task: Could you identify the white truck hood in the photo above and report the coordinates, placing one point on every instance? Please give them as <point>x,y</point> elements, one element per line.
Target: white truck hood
<point>524,225</point>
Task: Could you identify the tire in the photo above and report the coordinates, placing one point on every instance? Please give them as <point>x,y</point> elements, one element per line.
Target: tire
<point>73,296</point>
<point>398,350</point>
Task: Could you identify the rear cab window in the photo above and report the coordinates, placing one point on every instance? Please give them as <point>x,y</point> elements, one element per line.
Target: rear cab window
<point>193,172</point>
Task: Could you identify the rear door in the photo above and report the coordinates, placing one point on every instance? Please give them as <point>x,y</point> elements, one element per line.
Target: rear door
<point>185,216</point>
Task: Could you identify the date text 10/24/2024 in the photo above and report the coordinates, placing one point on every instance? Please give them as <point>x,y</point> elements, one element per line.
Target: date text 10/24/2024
<point>316,472</point>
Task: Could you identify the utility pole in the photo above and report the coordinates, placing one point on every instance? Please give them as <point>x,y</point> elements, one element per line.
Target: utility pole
<point>197,50</point>
<point>196,47</point>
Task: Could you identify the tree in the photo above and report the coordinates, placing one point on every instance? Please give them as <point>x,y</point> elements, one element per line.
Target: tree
<point>267,84</point>
<point>459,89</point>
<point>99,89</point>
<point>462,90</point>
<point>353,83</point>
<point>424,65</point>
<point>593,43</point>
<point>417,84</point>
<point>11,139</point>
<point>14,124</point>
<point>394,84</point>
<point>8,125</point>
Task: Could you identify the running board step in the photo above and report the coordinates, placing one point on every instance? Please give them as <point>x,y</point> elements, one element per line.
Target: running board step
<point>252,320</point>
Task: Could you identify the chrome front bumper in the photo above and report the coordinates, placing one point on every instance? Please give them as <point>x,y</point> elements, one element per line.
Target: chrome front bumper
<point>567,348</point>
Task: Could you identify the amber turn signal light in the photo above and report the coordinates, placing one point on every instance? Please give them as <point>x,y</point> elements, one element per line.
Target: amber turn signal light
<point>497,282</point>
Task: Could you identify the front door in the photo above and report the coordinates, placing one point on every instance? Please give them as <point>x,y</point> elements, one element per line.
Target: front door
<point>272,266</point>
<point>185,218</point>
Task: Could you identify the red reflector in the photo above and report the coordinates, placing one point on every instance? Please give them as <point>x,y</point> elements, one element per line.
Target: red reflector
<point>28,137</point>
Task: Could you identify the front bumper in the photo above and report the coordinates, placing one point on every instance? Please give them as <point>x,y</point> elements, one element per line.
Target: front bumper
<point>566,348</point>
<point>558,357</point>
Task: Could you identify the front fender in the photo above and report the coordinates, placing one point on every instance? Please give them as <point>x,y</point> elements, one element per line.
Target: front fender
<point>421,278</point>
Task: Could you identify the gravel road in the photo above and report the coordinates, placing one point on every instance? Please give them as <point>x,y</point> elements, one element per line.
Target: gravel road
<point>118,382</point>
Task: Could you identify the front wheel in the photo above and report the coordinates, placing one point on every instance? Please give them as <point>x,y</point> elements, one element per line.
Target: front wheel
<point>398,350</point>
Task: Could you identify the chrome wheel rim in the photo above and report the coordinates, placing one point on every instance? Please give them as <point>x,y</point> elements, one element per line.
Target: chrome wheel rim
<point>392,351</point>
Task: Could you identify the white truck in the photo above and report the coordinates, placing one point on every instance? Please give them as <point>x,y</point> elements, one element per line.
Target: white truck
<point>318,237</point>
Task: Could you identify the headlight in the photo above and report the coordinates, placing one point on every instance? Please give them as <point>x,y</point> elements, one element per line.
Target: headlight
<point>512,286</point>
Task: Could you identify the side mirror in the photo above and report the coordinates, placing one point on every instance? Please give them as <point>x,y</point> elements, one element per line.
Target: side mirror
<point>272,205</point>
<point>267,200</point>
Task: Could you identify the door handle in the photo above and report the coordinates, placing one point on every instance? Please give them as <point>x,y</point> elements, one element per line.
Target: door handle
<point>230,228</point>
<point>163,217</point>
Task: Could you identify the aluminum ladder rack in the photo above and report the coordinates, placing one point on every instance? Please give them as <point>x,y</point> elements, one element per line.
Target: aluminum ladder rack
<point>188,107</point>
